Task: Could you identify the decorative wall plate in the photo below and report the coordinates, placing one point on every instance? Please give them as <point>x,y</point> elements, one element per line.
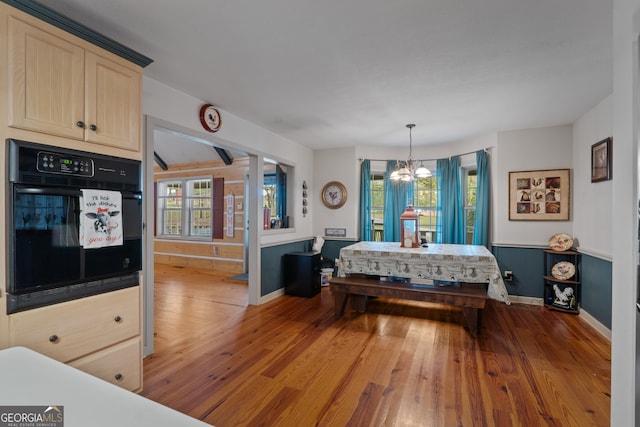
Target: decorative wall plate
<point>563,270</point>
<point>560,242</point>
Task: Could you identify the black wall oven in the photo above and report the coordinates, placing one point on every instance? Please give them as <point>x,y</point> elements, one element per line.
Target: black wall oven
<point>46,261</point>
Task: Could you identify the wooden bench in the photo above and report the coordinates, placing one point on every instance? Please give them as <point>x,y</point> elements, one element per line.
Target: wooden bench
<point>470,298</point>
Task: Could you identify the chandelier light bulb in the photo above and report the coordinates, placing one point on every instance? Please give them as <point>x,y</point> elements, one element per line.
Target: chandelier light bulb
<point>423,172</point>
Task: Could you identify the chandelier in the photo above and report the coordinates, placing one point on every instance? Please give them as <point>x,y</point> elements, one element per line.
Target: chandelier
<point>408,170</point>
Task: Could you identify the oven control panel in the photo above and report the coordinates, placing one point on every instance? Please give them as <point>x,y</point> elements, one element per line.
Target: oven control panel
<point>64,164</point>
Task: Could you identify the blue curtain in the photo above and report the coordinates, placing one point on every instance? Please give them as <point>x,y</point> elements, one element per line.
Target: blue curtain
<point>450,190</point>
<point>281,193</point>
<point>397,196</point>
<point>481,225</point>
<point>365,200</point>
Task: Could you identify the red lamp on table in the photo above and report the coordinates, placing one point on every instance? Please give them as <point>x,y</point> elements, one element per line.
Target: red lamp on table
<point>409,228</point>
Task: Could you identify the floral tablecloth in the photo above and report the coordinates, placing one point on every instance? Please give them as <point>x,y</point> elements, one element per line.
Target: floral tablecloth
<point>446,262</point>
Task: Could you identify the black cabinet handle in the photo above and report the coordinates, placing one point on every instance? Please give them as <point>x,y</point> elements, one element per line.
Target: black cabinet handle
<point>80,124</point>
<point>53,338</point>
<point>93,127</point>
<point>118,376</point>
<point>117,319</point>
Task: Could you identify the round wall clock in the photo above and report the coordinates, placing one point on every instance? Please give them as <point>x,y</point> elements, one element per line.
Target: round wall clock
<point>210,118</point>
<point>334,195</point>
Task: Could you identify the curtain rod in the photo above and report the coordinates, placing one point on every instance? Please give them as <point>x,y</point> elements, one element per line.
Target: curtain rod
<point>430,160</point>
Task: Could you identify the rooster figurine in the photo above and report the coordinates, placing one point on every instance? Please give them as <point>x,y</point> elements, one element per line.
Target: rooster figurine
<point>564,298</point>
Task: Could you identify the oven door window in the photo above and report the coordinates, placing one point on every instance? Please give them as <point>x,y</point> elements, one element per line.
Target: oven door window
<point>46,250</point>
<point>110,261</point>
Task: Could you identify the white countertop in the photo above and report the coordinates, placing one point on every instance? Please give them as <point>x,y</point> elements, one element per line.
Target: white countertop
<point>29,378</point>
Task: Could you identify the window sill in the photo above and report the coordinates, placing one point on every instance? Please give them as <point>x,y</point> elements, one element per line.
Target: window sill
<point>276,231</point>
<point>184,239</point>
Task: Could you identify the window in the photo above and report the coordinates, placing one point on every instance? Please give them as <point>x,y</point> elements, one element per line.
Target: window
<point>270,193</point>
<point>425,197</point>
<point>470,183</point>
<point>274,194</point>
<point>425,201</point>
<point>187,208</point>
<point>377,206</point>
<point>170,208</point>
<point>199,200</point>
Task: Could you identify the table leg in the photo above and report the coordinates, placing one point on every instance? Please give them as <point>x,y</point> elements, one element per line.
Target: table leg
<point>339,303</point>
<point>359,303</point>
<point>472,317</point>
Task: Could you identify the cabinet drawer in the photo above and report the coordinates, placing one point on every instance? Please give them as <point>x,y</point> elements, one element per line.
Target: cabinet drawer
<point>119,365</point>
<point>72,329</point>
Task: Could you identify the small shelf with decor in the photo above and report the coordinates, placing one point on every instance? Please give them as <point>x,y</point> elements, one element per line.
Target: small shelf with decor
<point>562,280</point>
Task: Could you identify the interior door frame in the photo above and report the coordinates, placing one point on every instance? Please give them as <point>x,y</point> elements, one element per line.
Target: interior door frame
<point>252,253</point>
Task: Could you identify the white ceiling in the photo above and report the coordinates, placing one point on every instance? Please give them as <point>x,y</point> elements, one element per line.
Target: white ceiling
<point>339,73</point>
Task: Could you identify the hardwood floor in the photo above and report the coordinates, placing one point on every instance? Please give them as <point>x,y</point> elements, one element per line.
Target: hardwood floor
<point>403,363</point>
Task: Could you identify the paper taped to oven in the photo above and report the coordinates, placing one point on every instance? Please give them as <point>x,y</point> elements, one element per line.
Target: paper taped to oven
<point>100,219</point>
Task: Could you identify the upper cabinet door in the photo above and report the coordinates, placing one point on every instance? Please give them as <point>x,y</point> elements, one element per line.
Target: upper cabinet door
<point>72,90</point>
<point>113,109</point>
<point>46,82</point>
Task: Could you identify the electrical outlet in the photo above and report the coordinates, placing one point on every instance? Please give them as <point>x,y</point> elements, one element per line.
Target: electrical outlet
<point>508,275</point>
<point>215,251</point>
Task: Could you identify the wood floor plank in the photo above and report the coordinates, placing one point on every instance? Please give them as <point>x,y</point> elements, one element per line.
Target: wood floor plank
<point>402,363</point>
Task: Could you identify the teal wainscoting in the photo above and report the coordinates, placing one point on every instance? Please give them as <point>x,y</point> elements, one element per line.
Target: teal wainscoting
<point>271,276</point>
<point>595,275</point>
<point>527,265</point>
<point>331,248</point>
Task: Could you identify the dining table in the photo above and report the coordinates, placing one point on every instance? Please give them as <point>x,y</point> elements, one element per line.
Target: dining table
<point>442,264</point>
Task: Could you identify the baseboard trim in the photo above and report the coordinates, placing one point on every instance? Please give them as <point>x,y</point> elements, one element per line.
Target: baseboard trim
<point>270,296</point>
<point>595,324</point>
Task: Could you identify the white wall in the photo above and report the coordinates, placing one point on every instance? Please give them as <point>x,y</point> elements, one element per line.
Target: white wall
<point>344,165</point>
<point>171,105</point>
<point>336,165</point>
<point>530,149</point>
<point>592,202</point>
<point>525,150</point>
<point>520,150</point>
<point>626,26</point>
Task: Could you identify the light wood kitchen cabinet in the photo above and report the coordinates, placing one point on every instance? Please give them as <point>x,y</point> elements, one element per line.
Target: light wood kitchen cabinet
<point>57,79</point>
<point>112,102</point>
<point>61,86</point>
<point>74,330</point>
<point>117,364</point>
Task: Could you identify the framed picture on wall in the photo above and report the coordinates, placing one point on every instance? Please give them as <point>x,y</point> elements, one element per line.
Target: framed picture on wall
<point>540,195</point>
<point>601,165</point>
